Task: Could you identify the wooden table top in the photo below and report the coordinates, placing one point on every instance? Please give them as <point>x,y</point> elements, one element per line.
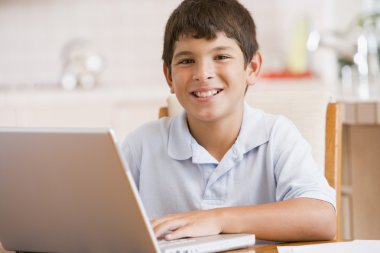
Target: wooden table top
<point>272,248</point>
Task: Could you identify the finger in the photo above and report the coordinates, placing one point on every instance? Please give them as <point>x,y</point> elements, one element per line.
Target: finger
<point>171,225</point>
<point>182,232</point>
<point>156,222</point>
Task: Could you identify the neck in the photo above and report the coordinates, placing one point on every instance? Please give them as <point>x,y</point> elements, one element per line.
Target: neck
<point>217,136</point>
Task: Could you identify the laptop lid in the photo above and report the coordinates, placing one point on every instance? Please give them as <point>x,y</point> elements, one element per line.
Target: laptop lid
<point>66,190</point>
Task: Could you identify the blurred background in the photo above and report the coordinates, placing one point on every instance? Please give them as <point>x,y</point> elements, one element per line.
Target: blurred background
<point>128,36</point>
<point>97,63</point>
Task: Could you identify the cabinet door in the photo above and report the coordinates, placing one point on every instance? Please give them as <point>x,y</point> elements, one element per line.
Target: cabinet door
<point>8,117</point>
<point>65,116</point>
<point>361,173</point>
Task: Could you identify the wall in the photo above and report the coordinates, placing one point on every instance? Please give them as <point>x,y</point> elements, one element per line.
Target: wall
<point>129,35</point>
<point>126,33</point>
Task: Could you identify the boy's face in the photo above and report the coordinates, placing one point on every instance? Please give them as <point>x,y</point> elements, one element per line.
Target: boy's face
<point>209,77</point>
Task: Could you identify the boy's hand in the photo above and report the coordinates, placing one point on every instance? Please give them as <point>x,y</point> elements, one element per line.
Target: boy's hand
<point>189,224</point>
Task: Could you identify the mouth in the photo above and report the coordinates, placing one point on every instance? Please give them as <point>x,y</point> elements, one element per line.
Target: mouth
<point>206,93</point>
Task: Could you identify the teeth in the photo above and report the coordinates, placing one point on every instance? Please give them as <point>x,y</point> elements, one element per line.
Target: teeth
<point>205,94</point>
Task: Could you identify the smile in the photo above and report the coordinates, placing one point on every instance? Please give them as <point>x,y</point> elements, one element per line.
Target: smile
<point>206,94</point>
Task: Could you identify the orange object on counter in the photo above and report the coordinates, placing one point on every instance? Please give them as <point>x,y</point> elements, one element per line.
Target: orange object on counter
<point>286,74</point>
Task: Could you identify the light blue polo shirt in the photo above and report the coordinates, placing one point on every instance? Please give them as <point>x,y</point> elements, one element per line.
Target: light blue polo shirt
<point>269,162</point>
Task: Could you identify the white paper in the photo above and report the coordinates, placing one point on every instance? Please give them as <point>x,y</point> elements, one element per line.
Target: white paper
<point>357,246</point>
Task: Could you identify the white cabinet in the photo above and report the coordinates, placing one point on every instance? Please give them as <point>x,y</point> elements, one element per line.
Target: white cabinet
<point>120,109</point>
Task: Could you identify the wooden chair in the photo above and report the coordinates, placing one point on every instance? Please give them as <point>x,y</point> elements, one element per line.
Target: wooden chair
<point>332,144</point>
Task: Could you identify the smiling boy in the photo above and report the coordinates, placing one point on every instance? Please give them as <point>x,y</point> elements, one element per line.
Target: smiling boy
<point>209,78</point>
<point>222,166</point>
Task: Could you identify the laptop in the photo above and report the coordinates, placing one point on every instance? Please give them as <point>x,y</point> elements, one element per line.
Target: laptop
<point>69,190</point>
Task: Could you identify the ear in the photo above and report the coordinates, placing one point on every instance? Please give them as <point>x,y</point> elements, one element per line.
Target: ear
<point>168,77</point>
<point>253,68</point>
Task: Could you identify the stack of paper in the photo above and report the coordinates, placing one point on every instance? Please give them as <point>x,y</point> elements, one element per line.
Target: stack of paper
<point>357,246</point>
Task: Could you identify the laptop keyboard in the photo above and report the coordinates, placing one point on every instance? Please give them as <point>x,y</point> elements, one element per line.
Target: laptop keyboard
<point>175,242</point>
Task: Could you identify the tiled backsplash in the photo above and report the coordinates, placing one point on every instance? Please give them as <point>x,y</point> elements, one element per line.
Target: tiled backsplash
<point>128,33</point>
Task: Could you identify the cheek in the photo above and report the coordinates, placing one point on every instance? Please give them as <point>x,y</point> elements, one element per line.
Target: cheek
<point>176,79</point>
<point>179,76</point>
<point>235,74</point>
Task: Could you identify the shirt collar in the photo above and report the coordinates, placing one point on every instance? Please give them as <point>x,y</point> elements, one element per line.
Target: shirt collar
<point>253,133</point>
<point>179,142</point>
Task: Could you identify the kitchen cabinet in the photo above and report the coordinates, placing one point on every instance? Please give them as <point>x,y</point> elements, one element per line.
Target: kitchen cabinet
<point>114,108</point>
<point>361,170</point>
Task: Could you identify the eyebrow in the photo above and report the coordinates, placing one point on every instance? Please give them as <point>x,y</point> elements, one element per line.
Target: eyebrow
<point>221,48</point>
<point>182,53</point>
<point>188,53</point>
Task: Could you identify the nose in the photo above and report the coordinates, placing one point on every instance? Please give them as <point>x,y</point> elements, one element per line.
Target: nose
<point>203,71</point>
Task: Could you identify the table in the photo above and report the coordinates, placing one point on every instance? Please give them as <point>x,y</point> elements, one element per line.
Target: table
<point>255,249</point>
<point>272,248</point>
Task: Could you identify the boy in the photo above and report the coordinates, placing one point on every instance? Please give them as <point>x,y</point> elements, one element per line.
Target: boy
<point>222,166</point>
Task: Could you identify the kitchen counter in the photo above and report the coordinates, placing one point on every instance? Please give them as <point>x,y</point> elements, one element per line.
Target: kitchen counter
<point>15,101</point>
<point>356,110</point>
<point>118,108</point>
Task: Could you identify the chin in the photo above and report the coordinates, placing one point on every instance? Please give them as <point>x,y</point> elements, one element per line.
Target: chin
<point>207,116</point>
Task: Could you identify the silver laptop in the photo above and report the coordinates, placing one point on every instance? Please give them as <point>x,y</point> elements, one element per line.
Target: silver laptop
<point>69,190</point>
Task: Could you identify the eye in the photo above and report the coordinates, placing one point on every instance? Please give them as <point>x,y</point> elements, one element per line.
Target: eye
<point>185,61</point>
<point>222,57</point>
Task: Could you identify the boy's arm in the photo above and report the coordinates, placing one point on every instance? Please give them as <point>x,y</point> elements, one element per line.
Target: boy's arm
<point>301,219</point>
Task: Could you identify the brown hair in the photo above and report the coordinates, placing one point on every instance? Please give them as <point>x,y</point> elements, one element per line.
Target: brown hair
<point>205,18</point>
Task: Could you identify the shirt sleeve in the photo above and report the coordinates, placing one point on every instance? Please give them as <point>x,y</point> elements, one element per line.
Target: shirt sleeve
<point>297,174</point>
